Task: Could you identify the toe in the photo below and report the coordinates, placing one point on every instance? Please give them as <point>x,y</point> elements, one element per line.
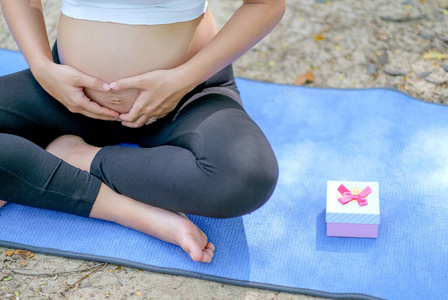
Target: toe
<point>210,246</point>
<point>209,252</point>
<point>195,254</point>
<point>206,257</point>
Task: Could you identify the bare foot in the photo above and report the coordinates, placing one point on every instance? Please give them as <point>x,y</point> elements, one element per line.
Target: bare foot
<point>163,224</point>
<point>2,203</point>
<point>73,150</point>
<point>179,230</point>
<point>171,227</point>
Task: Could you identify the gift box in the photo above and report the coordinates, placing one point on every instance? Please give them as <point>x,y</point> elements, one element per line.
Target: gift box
<point>353,209</point>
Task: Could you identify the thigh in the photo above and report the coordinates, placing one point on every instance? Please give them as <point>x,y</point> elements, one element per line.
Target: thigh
<point>27,110</point>
<point>211,160</point>
<point>214,112</point>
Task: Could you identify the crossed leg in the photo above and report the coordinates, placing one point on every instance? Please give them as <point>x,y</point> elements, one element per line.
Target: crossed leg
<point>215,139</point>
<point>171,227</point>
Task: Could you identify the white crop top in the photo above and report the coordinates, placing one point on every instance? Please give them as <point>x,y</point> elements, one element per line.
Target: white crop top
<point>135,12</point>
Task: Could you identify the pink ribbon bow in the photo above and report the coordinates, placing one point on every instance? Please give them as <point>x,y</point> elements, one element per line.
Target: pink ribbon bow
<point>347,196</point>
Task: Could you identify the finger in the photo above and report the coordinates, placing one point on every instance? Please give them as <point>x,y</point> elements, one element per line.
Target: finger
<point>134,82</point>
<point>134,114</point>
<point>138,123</point>
<point>151,120</point>
<point>96,111</point>
<point>97,116</point>
<point>93,83</point>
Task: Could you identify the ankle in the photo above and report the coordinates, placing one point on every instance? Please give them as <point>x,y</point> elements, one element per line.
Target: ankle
<point>73,150</point>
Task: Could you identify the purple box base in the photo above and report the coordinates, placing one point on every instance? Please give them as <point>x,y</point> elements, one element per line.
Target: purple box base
<point>352,230</point>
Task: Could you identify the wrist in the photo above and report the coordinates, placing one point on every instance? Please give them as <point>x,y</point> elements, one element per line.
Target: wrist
<point>192,73</point>
<point>188,77</point>
<point>41,67</point>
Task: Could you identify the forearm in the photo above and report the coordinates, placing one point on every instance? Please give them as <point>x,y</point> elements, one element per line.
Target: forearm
<point>248,25</point>
<point>26,22</point>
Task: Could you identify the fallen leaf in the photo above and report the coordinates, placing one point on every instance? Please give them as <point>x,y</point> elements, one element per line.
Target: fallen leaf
<point>9,253</point>
<point>24,253</point>
<point>383,58</point>
<point>318,37</point>
<point>435,81</point>
<point>423,74</point>
<point>401,19</point>
<point>7,278</point>
<point>23,262</point>
<point>371,68</point>
<point>382,35</point>
<point>395,72</point>
<point>304,78</point>
<point>435,55</point>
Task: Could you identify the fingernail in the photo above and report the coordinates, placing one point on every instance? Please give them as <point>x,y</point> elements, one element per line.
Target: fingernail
<point>106,87</point>
<point>113,85</point>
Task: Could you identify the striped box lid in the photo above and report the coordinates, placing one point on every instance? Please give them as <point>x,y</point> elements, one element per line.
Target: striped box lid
<point>352,212</point>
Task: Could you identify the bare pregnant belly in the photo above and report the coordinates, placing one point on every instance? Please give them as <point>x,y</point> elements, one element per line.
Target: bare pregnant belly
<point>111,51</point>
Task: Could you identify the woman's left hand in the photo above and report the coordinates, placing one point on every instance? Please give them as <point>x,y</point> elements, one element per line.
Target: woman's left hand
<point>160,92</point>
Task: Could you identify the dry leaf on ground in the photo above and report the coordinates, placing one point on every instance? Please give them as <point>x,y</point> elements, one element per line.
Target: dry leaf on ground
<point>23,262</point>
<point>304,78</point>
<point>435,55</point>
<point>319,37</point>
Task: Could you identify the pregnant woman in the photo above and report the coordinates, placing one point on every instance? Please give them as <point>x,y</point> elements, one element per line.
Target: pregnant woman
<point>156,73</point>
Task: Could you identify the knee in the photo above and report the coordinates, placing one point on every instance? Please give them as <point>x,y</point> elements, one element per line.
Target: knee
<point>20,155</point>
<point>11,145</point>
<point>13,153</point>
<point>246,183</point>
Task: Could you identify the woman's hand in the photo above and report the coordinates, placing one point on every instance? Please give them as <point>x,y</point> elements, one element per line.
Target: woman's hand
<point>160,92</point>
<point>67,84</point>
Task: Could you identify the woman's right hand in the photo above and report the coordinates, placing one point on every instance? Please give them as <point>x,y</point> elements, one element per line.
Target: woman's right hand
<point>67,84</point>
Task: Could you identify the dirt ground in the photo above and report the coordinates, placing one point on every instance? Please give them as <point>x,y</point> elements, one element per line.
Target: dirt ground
<point>401,45</point>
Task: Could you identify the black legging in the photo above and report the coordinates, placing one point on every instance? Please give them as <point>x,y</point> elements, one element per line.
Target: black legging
<point>207,157</point>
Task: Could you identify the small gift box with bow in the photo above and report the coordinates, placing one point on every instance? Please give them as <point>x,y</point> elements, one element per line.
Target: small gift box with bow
<point>353,209</point>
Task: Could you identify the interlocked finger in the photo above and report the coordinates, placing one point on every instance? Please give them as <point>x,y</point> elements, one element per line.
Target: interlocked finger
<point>151,120</point>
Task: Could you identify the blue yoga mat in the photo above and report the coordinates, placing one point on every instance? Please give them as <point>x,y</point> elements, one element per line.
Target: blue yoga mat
<point>318,135</point>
